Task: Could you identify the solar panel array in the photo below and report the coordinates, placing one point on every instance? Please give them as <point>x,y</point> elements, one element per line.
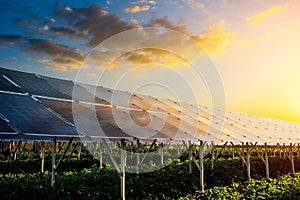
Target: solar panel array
<point>34,107</point>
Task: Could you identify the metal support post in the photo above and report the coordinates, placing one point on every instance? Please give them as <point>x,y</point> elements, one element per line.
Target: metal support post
<point>53,162</point>
<point>292,159</point>
<point>100,156</point>
<point>161,155</point>
<point>122,174</point>
<point>248,163</point>
<point>267,162</point>
<point>201,158</point>
<point>213,158</point>
<point>79,150</point>
<point>190,156</point>
<point>42,156</point>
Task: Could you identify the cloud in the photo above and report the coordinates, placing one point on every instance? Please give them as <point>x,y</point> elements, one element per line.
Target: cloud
<point>194,4</point>
<point>214,39</point>
<point>166,23</point>
<point>134,22</point>
<point>10,39</point>
<point>258,18</point>
<point>58,67</point>
<point>140,6</point>
<point>44,29</point>
<point>152,2</point>
<point>135,8</point>
<point>64,56</point>
<point>93,24</point>
<point>63,31</point>
<point>50,20</point>
<point>148,56</point>
<point>94,20</point>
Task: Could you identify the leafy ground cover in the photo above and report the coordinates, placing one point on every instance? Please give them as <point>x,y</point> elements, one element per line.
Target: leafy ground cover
<point>83,179</point>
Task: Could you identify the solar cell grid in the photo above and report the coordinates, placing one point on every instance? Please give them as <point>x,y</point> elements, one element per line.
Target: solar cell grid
<point>86,120</point>
<point>68,87</point>
<point>5,128</point>
<point>5,85</point>
<point>181,121</point>
<point>32,84</point>
<point>29,116</point>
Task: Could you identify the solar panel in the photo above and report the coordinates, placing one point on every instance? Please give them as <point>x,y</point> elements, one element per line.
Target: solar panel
<point>132,115</point>
<point>85,119</point>
<point>5,128</point>
<point>32,84</point>
<point>117,98</point>
<point>68,87</point>
<point>138,124</point>
<point>31,117</point>
<point>5,85</point>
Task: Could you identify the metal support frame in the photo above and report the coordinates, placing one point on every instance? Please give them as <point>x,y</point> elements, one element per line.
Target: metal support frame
<point>122,173</point>
<point>145,154</point>
<point>214,156</point>
<point>161,154</point>
<point>291,158</point>
<point>190,156</point>
<point>100,156</point>
<point>212,159</point>
<point>79,150</point>
<point>264,156</point>
<point>137,157</point>
<point>42,156</point>
<point>64,153</point>
<point>55,166</point>
<point>284,151</point>
<point>121,169</point>
<point>72,151</point>
<point>246,161</point>
<point>53,162</point>
<point>200,166</point>
<point>201,159</point>
<point>13,151</point>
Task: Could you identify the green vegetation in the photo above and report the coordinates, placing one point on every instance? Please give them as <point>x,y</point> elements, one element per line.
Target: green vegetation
<point>84,179</point>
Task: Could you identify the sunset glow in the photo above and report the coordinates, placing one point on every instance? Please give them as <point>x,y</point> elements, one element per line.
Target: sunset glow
<point>254,45</point>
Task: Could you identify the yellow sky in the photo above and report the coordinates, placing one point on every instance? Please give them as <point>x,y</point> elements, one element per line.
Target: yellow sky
<point>264,76</point>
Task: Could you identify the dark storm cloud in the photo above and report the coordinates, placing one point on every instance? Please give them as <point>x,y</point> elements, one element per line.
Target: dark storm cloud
<point>11,38</point>
<point>62,55</point>
<point>94,20</point>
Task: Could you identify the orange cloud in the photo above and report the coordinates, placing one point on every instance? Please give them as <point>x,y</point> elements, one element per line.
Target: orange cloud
<point>258,18</point>
<point>214,39</point>
<point>134,22</point>
<point>58,67</point>
<point>149,56</point>
<point>135,8</point>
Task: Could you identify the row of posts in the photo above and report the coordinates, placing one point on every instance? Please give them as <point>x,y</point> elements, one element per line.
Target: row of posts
<point>244,151</point>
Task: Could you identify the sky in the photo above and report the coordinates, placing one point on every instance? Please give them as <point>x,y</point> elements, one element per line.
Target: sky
<point>240,55</point>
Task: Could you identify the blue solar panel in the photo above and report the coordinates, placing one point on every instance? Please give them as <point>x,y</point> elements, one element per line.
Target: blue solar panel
<point>5,128</point>
<point>68,87</point>
<point>29,116</point>
<point>5,85</point>
<point>90,123</point>
<point>32,84</point>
